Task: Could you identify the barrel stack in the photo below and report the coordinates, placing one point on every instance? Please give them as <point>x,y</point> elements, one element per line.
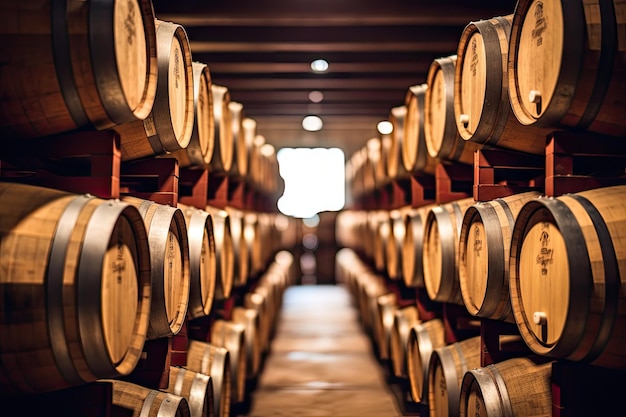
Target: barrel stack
<point>144,256</point>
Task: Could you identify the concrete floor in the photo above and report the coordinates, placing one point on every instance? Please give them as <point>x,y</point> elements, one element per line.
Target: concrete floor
<point>321,362</point>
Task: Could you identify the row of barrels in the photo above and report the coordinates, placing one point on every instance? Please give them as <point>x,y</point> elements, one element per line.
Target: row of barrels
<point>551,65</point>
<point>217,373</point>
<point>85,281</point>
<point>555,266</point>
<point>113,66</point>
<point>445,379</point>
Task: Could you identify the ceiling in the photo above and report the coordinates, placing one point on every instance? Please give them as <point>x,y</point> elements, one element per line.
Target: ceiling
<point>262,50</point>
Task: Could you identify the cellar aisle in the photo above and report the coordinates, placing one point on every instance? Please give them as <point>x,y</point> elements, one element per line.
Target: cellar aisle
<point>321,362</point>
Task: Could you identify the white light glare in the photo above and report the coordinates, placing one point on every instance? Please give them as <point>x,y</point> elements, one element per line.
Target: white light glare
<point>316,96</point>
<point>312,123</point>
<point>319,65</point>
<point>384,127</point>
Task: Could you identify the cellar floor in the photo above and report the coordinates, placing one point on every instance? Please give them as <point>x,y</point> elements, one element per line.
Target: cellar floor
<point>321,362</point>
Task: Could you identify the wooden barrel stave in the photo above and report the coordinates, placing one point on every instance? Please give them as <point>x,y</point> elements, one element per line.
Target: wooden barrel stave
<point>81,267</point>
<point>423,339</point>
<point>77,90</point>
<point>574,243</point>
<point>169,260</point>
<point>447,366</point>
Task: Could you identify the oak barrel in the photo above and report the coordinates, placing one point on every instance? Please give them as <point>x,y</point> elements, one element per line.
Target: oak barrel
<point>202,261</point>
<point>200,148</point>
<point>443,140</point>
<point>241,141</point>
<point>448,364</point>
<point>231,336</point>
<point>75,286</point>
<point>74,88</point>
<point>568,276</point>
<point>144,401</point>
<point>567,65</point>
<point>241,252</point>
<point>484,247</point>
<point>224,253</point>
<point>424,337</point>
<point>412,247</point>
<point>395,168</point>
<point>384,310</point>
<point>251,320</point>
<point>415,156</point>
<point>169,125</point>
<point>258,302</point>
<point>169,266</point>
<point>441,251</point>
<point>404,319</point>
<point>195,387</point>
<point>481,92</point>
<point>222,159</point>
<point>393,247</point>
<point>214,361</point>
<point>515,387</point>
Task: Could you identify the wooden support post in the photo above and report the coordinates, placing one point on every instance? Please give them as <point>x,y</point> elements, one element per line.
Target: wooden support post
<point>459,324</point>
<point>153,369</point>
<point>581,161</point>
<point>453,181</point>
<point>180,343</point>
<point>193,187</point>
<point>218,191</point>
<point>151,179</point>
<point>423,190</point>
<point>500,173</point>
<point>500,340</point>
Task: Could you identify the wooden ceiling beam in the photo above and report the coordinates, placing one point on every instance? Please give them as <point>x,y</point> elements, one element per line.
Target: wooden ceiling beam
<point>322,84</point>
<point>287,46</point>
<point>255,68</point>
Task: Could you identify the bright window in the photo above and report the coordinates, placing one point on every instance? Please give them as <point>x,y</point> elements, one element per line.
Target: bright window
<point>314,180</point>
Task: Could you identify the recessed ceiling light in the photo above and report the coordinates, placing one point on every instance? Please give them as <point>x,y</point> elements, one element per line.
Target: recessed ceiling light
<point>319,65</point>
<point>312,123</point>
<point>316,96</point>
<point>384,127</point>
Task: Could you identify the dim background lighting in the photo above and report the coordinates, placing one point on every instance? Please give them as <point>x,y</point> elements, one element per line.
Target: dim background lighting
<point>384,127</point>
<point>312,123</point>
<point>319,65</point>
<point>314,181</point>
<point>316,96</point>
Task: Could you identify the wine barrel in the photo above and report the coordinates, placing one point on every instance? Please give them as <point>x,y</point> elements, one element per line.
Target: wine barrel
<point>214,361</point>
<point>448,364</point>
<point>241,253</point>
<point>76,289</point>
<point>412,246</point>
<point>484,245</point>
<point>404,319</point>
<point>384,311</point>
<point>194,387</point>
<point>394,166</point>
<point>382,234</point>
<point>254,236</point>
<point>200,148</point>
<point>249,132</point>
<point>74,88</point>
<point>169,266</point>
<point>241,144</point>
<point>393,247</point>
<point>443,140</point>
<point>222,158</point>
<point>224,257</point>
<point>415,156</point>
<point>566,65</point>
<point>424,337</point>
<point>258,302</point>
<point>568,276</point>
<point>231,336</point>
<point>251,320</point>
<point>515,387</point>
<point>144,401</point>
<point>169,125</point>
<point>481,94</point>
<point>441,251</point>
<point>202,261</point>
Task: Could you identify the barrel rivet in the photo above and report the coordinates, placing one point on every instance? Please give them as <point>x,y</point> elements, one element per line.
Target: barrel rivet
<point>540,318</point>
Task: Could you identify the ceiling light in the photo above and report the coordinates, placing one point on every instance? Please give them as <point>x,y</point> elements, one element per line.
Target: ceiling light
<point>312,123</point>
<point>316,96</point>
<point>384,127</point>
<point>319,65</point>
